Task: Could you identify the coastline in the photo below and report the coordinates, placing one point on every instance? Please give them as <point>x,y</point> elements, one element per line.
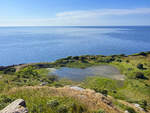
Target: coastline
<point>67,58</point>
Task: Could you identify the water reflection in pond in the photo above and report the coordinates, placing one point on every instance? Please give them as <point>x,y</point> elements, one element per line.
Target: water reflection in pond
<point>80,74</point>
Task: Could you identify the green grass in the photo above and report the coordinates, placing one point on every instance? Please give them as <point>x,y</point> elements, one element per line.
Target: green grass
<point>104,83</point>
<point>43,101</point>
<point>132,89</point>
<point>123,107</point>
<point>100,84</point>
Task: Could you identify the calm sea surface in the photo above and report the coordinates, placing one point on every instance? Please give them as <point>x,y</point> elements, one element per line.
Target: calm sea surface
<point>43,44</point>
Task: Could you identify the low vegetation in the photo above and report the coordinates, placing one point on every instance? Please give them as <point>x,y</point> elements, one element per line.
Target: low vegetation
<point>43,101</point>
<point>134,89</point>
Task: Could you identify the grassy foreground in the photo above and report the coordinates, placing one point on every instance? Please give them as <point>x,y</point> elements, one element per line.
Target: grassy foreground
<point>134,89</point>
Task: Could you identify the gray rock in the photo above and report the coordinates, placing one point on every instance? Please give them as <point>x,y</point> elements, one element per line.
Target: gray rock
<point>126,111</point>
<point>18,106</point>
<point>139,107</point>
<point>43,83</point>
<point>77,88</point>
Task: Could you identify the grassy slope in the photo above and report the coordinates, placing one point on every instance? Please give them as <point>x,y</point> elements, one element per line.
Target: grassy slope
<point>132,89</point>
<point>49,99</point>
<point>44,100</point>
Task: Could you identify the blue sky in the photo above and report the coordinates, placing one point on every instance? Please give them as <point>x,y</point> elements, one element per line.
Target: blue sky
<point>74,12</point>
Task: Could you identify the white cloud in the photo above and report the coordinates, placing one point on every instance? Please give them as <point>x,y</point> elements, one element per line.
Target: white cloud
<point>81,17</point>
<point>101,12</point>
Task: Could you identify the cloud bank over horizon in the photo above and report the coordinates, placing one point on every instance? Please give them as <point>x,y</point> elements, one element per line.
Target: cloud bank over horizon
<point>97,17</point>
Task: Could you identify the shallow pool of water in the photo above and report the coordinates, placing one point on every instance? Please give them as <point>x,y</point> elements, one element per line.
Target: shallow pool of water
<point>80,74</point>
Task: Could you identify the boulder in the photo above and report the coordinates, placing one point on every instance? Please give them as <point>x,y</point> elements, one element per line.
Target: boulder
<point>77,88</point>
<point>18,106</point>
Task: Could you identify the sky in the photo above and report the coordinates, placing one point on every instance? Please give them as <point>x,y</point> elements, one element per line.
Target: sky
<point>74,12</point>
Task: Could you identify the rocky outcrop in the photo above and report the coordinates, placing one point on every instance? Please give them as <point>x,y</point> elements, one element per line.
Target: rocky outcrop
<point>18,106</point>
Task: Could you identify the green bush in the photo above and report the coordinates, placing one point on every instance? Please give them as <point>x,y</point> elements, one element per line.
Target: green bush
<point>27,72</point>
<point>106,59</point>
<point>130,110</point>
<point>9,71</point>
<point>140,66</point>
<point>143,53</point>
<point>140,75</point>
<point>103,91</point>
<point>119,60</point>
<point>143,104</point>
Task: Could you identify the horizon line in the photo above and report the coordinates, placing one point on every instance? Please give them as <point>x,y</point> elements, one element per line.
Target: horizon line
<point>81,26</point>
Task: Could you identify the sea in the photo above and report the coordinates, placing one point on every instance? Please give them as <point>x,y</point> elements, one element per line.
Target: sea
<point>19,45</point>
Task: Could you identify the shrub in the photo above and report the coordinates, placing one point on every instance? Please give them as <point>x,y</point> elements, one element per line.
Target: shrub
<point>140,66</point>
<point>103,91</point>
<point>140,75</point>
<point>106,59</point>
<point>130,110</point>
<point>5,99</point>
<point>76,57</point>
<point>9,71</point>
<point>114,91</point>
<point>143,53</point>
<point>119,60</point>
<point>143,104</point>
<point>27,72</point>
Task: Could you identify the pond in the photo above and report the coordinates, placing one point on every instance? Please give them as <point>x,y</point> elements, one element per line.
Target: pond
<point>78,74</point>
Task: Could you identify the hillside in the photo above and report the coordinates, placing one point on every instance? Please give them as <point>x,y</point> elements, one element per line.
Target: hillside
<point>47,93</point>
